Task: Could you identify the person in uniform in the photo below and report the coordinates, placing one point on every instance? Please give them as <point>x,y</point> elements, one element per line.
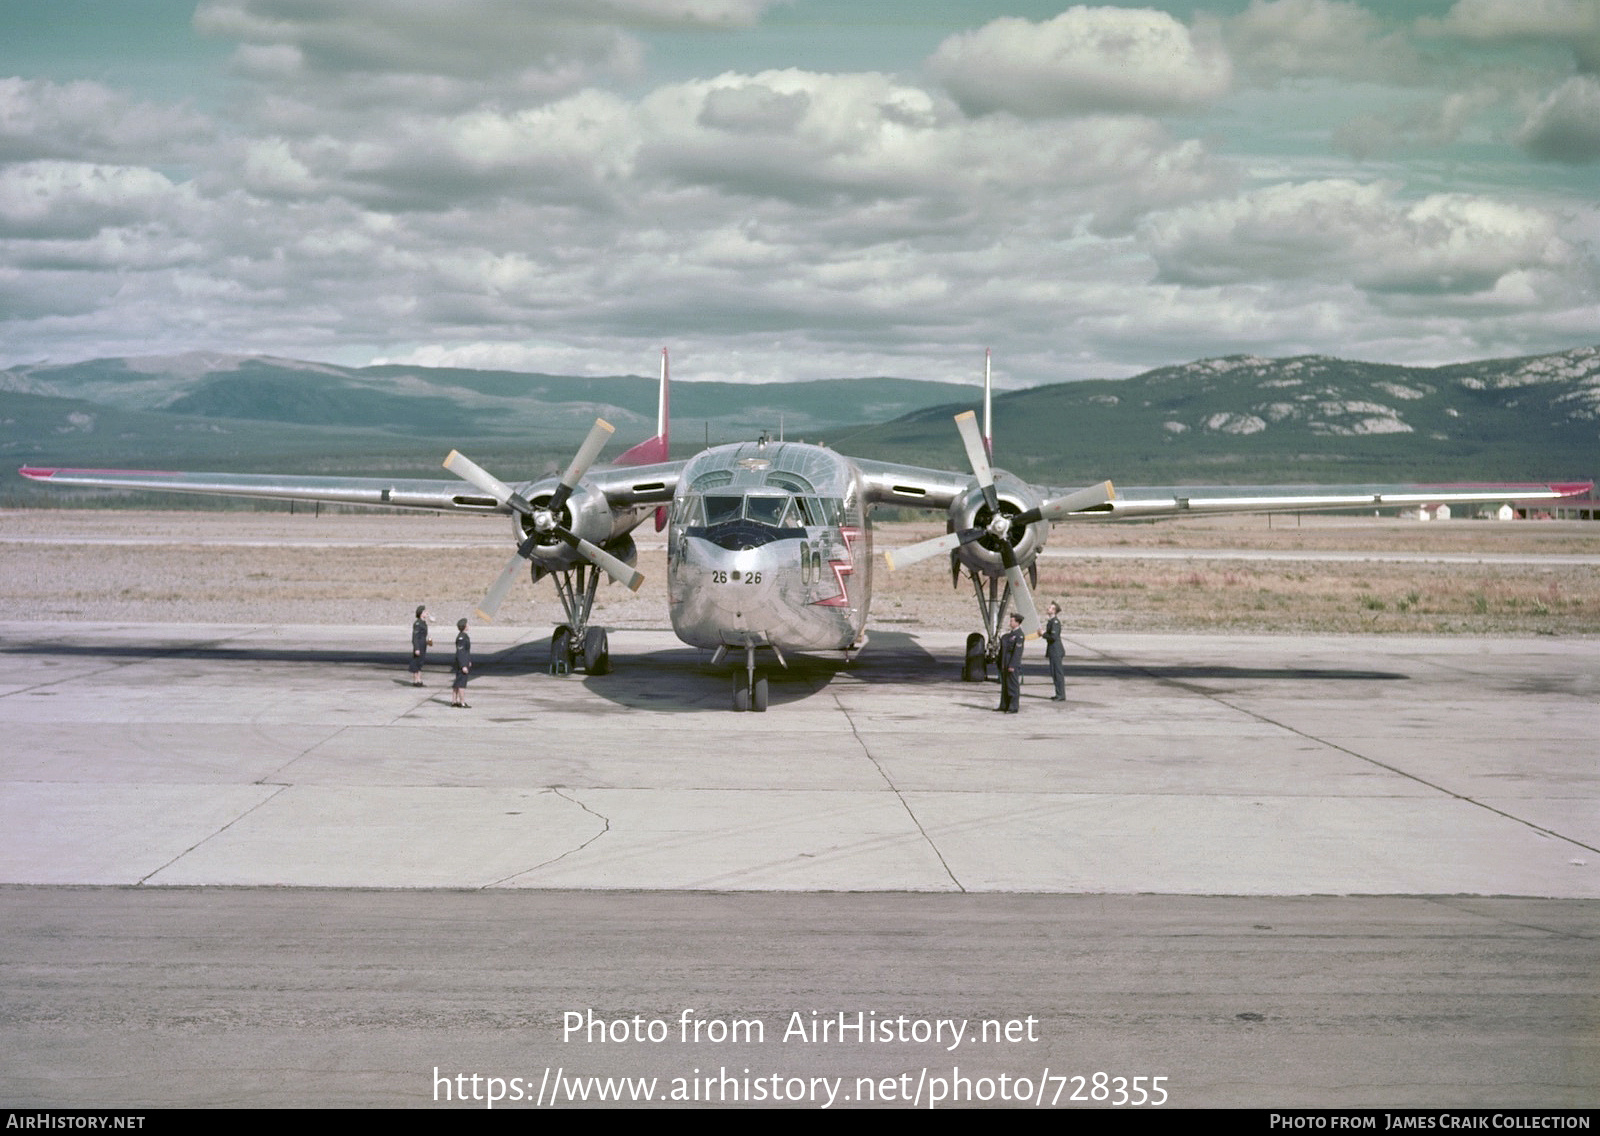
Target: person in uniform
<point>458,689</point>
<point>419,644</point>
<point>1011,667</point>
<point>1055,652</point>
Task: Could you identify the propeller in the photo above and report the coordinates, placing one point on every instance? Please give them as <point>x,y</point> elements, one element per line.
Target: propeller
<point>542,520</point>
<point>1000,524</point>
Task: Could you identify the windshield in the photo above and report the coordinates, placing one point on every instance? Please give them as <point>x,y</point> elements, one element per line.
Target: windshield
<point>775,510</point>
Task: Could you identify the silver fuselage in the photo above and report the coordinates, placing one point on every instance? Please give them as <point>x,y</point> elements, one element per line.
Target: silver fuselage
<point>769,545</point>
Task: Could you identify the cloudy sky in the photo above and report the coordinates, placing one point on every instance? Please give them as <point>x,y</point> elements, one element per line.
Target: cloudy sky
<point>799,188</point>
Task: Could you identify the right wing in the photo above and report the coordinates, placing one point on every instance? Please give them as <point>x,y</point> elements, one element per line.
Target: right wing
<point>399,493</point>
<point>624,487</point>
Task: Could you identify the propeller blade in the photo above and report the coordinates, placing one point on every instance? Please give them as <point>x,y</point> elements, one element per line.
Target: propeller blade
<point>470,471</point>
<point>1021,598</point>
<point>602,559</point>
<point>913,553</point>
<point>972,438</point>
<point>1059,507</point>
<point>496,595</point>
<point>599,435</point>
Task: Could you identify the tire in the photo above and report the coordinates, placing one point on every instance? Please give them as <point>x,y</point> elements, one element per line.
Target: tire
<point>561,650</point>
<point>975,668</point>
<point>596,657</point>
<point>741,692</point>
<point>758,694</point>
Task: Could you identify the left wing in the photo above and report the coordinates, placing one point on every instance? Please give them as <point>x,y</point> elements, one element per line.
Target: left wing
<point>887,483</point>
<point>1144,502</point>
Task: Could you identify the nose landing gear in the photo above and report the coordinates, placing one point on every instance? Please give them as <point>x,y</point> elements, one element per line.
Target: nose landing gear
<point>749,685</point>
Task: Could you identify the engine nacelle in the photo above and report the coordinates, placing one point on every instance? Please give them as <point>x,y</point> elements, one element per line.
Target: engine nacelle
<point>971,511</point>
<point>585,514</point>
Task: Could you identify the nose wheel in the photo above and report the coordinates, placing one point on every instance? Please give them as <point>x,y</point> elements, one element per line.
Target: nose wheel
<point>749,691</point>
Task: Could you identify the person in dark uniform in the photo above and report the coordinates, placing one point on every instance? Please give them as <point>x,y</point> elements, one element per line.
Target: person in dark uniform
<point>1011,667</point>
<point>458,689</point>
<point>419,644</point>
<point>1055,652</point>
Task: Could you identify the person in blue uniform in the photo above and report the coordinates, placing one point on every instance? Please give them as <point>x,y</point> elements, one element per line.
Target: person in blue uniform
<point>419,644</point>
<point>1055,652</point>
<point>458,689</point>
<point>1011,667</point>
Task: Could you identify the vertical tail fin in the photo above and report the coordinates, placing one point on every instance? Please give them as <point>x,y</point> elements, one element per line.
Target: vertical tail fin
<point>988,430</point>
<point>654,449</point>
<point>657,449</point>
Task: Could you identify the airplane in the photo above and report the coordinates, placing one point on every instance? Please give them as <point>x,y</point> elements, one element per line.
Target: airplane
<point>769,543</point>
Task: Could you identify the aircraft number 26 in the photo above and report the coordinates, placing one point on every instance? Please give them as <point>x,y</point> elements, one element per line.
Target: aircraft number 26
<point>720,577</point>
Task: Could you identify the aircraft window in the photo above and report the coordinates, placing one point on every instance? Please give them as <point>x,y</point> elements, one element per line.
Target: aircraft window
<point>794,483</point>
<point>827,511</point>
<point>722,507</point>
<point>767,510</point>
<point>688,511</point>
<point>712,479</point>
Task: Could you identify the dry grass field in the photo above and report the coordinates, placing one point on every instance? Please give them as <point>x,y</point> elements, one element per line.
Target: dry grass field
<point>1233,574</point>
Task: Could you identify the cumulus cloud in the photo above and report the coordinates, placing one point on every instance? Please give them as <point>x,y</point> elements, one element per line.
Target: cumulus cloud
<point>1086,60</point>
<point>1565,127</point>
<point>1342,231</point>
<point>466,187</point>
<point>753,108</point>
<point>1437,122</point>
<point>78,199</point>
<point>816,140</point>
<point>90,122</point>
<point>1574,24</point>
<point>544,46</point>
<point>1285,38</point>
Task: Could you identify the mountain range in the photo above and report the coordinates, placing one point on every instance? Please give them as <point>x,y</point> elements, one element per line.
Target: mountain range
<point>1239,419</point>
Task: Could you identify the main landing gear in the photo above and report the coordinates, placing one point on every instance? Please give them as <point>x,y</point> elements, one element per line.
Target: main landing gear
<point>975,668</point>
<point>576,644</point>
<point>983,647</point>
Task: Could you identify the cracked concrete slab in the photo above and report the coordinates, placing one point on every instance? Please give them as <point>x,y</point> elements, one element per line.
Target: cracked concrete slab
<point>239,754</point>
<point>381,836</point>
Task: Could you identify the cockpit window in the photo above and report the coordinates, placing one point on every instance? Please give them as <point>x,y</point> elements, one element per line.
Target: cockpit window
<point>687,510</point>
<point>778,511</point>
<point>768,510</point>
<point>827,511</point>
<point>722,507</point>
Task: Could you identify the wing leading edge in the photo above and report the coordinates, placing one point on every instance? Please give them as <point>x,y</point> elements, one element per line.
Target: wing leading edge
<point>398,493</point>
<point>622,487</point>
<point>1178,501</point>
<point>888,483</point>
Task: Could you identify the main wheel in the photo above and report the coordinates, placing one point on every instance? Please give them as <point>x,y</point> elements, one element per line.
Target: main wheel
<point>758,693</point>
<point>596,651</point>
<point>561,650</point>
<point>975,668</point>
<point>741,691</point>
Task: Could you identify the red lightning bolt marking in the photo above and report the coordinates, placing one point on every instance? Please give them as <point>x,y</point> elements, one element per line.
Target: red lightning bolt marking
<point>841,569</point>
